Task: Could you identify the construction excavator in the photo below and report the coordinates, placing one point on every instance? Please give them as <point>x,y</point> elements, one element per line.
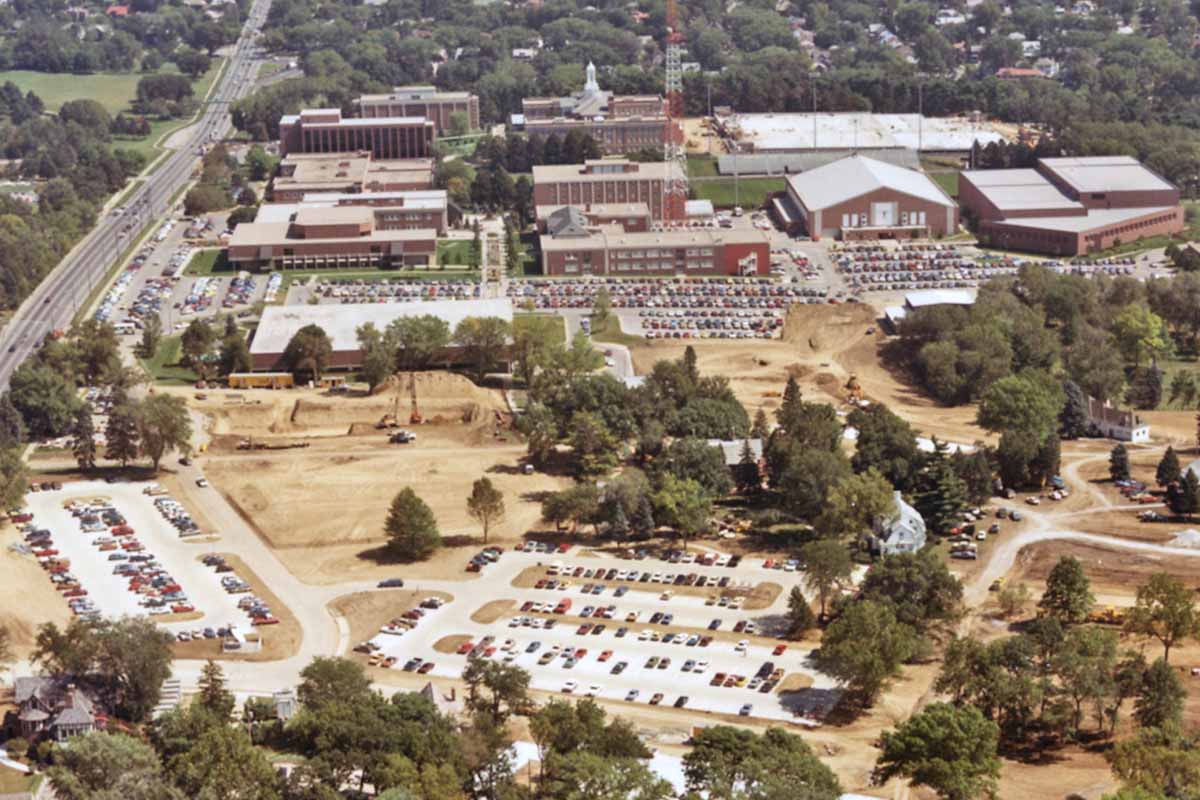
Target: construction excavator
<point>414,417</point>
<point>854,392</point>
<point>392,419</point>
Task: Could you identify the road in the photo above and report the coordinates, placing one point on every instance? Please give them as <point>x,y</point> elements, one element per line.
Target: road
<point>59,296</point>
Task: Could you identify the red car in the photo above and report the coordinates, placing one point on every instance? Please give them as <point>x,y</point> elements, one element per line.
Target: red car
<point>779,650</point>
<point>182,608</point>
<point>564,547</point>
<point>465,648</point>
<point>255,621</point>
<point>489,652</point>
<point>45,553</point>
<point>606,655</point>
<point>426,668</point>
<point>76,593</point>
<point>472,567</point>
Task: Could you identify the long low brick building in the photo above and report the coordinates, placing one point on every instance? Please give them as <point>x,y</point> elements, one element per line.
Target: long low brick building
<point>858,198</point>
<point>324,130</point>
<point>1070,206</point>
<point>348,237</point>
<point>302,173</point>
<point>340,323</point>
<point>608,250</point>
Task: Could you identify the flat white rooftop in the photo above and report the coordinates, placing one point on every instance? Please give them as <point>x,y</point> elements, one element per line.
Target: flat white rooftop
<point>280,323</point>
<point>1093,220</point>
<point>938,297</point>
<point>766,132</point>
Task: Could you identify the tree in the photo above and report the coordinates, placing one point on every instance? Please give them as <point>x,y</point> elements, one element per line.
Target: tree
<point>950,749</point>
<point>45,398</point>
<point>1141,333</point>
<point>214,697</point>
<point>122,432</point>
<point>417,341</point>
<point>497,690</point>
<point>197,343</point>
<point>1068,596</point>
<point>485,505</point>
<point>684,505</point>
<point>695,458</point>
<point>941,494</point>
<point>1160,698</point>
<point>601,307</point>
<point>534,343</point>
<point>1085,664</point>
<point>827,567</point>
<point>1162,762</point>
<point>1185,498</point>
<point>593,447</point>
<point>481,339</point>
<point>746,473</point>
<point>918,587</point>
<point>225,765</point>
<point>109,766</point>
<point>83,441</point>
<point>14,474</point>
<point>1118,464</point>
<point>761,428</point>
<point>1073,421</point>
<point>800,617</point>
<point>808,476</point>
<point>1168,470</point>
<point>854,504</point>
<point>12,427</point>
<point>577,505</point>
<point>732,763</point>
<point>1166,610</point>
<point>163,425</point>
<point>151,336</point>
<point>1024,402</point>
<point>864,648</point>
<point>541,431</point>
<point>1145,390</point>
<point>234,355</point>
<point>1012,599</point>
<point>309,350</point>
<point>411,528</point>
<point>887,443</point>
<point>327,681</point>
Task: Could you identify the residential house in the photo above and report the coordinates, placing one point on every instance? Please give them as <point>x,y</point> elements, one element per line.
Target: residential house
<point>56,708</point>
<point>901,531</point>
<point>1113,423</point>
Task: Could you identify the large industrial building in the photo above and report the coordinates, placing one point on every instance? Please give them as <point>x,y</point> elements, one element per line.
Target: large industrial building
<point>324,130</point>
<point>349,237</point>
<point>619,123</point>
<point>340,323</point>
<point>303,173</point>
<point>579,250</point>
<point>422,101</point>
<point>859,198</point>
<point>1070,206</point>
<point>601,182</point>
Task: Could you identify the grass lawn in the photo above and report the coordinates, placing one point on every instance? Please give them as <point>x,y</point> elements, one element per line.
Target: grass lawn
<point>702,166</point>
<point>165,367</point>
<point>206,262</point>
<point>15,187</point>
<point>148,145</point>
<point>751,192</point>
<point>525,320</point>
<point>454,252</point>
<point>13,782</point>
<point>610,331</point>
<point>947,180</point>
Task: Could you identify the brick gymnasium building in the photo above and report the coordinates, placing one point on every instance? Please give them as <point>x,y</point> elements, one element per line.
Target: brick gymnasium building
<point>858,198</point>
<point>301,174</point>
<point>323,130</point>
<point>351,237</point>
<point>1070,206</point>
<point>422,101</point>
<point>600,183</point>
<point>340,323</point>
<point>619,123</point>
<point>609,250</point>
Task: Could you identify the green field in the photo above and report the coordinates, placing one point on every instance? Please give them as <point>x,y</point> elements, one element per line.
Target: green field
<point>206,262</point>
<point>165,366</point>
<point>524,320</point>
<point>947,180</point>
<point>610,331</point>
<point>751,192</point>
<point>702,166</point>
<point>457,252</point>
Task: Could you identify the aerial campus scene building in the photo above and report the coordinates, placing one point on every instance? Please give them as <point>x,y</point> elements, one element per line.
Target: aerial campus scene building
<point>759,402</point>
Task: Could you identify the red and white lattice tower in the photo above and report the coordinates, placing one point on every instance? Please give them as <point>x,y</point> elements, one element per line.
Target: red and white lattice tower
<point>675,183</point>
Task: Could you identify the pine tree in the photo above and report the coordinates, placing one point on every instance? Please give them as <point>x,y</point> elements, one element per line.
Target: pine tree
<point>411,527</point>
<point>1186,499</point>
<point>942,495</point>
<point>791,398</point>
<point>800,617</point>
<point>618,525</point>
<point>214,697</point>
<point>643,519</point>
<point>1073,421</point>
<point>83,444</point>
<point>1118,463</point>
<point>761,427</point>
<point>690,366</point>
<point>1145,390</point>
<point>122,432</point>
<point>747,474</point>
<point>1168,468</point>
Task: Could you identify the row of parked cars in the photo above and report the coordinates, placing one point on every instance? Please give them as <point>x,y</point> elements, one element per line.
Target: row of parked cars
<point>396,627</point>
<point>488,555</point>
<point>40,543</point>
<point>350,290</point>
<point>258,611</point>
<point>174,512</point>
<point>728,293</point>
<point>241,291</point>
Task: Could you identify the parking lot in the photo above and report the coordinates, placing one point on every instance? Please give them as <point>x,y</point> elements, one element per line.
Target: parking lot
<point>650,641</point>
<point>93,568</point>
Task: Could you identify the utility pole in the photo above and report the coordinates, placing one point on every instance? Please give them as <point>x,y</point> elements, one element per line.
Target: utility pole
<point>812,82</point>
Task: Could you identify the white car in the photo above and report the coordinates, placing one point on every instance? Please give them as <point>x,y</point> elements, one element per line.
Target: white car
<point>741,646</point>
<point>701,667</point>
<point>593,690</point>
<point>569,687</point>
<point>202,483</point>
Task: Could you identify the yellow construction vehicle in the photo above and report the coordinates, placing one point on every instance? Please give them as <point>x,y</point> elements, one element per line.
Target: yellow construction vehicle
<point>854,392</point>
<point>414,417</point>
<point>1110,615</point>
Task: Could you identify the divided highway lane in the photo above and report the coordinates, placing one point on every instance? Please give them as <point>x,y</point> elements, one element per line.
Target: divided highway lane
<point>59,296</point>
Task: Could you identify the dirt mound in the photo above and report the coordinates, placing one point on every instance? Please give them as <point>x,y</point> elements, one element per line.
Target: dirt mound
<point>822,327</point>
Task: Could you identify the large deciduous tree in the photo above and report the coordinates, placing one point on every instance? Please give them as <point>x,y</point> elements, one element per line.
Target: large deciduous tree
<point>1166,610</point>
<point>163,425</point>
<point>1068,596</point>
<point>950,749</point>
<point>411,528</point>
<point>485,504</point>
<point>308,351</point>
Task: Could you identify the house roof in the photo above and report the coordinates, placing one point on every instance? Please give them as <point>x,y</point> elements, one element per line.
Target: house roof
<point>568,221</point>
<point>1102,412</point>
<point>732,449</point>
<point>1083,223</point>
<point>857,175</point>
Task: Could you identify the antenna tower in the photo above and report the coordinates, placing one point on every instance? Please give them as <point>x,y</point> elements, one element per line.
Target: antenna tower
<point>675,183</point>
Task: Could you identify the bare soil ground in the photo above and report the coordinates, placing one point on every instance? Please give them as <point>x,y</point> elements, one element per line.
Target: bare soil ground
<point>492,611</point>
<point>367,612</point>
<point>278,641</point>
<point>27,597</point>
<point>450,644</point>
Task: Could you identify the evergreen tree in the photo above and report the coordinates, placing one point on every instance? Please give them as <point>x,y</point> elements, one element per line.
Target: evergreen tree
<point>800,617</point>
<point>411,528</point>
<point>643,519</point>
<point>1073,421</point>
<point>83,444</point>
<point>941,494</point>
<point>151,335</point>
<point>761,427</point>
<point>1168,471</point>
<point>689,365</point>
<point>618,525</point>
<point>122,431</point>
<point>1160,697</point>
<point>747,474</point>
<point>1068,596</point>
<point>1185,497</point>
<point>1118,463</point>
<point>791,397</point>
<point>1145,390</point>
<point>214,697</point>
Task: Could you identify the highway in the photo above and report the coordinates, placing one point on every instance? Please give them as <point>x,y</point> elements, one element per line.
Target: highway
<point>55,301</point>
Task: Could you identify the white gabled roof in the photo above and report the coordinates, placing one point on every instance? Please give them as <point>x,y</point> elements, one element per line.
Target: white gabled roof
<point>857,175</point>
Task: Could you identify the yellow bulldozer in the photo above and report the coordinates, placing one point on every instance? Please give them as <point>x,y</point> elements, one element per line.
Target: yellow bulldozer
<point>1110,615</point>
<point>854,392</point>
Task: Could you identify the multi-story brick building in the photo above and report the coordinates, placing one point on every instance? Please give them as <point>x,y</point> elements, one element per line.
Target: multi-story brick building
<point>324,130</point>
<point>601,182</point>
<point>422,101</point>
<point>303,173</point>
<point>858,198</point>
<point>619,123</point>
<point>608,250</point>
<point>1070,206</point>
<point>350,237</point>
<point>631,217</point>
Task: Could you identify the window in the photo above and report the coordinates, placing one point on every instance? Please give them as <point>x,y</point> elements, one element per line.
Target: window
<point>921,218</point>
<point>845,220</point>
